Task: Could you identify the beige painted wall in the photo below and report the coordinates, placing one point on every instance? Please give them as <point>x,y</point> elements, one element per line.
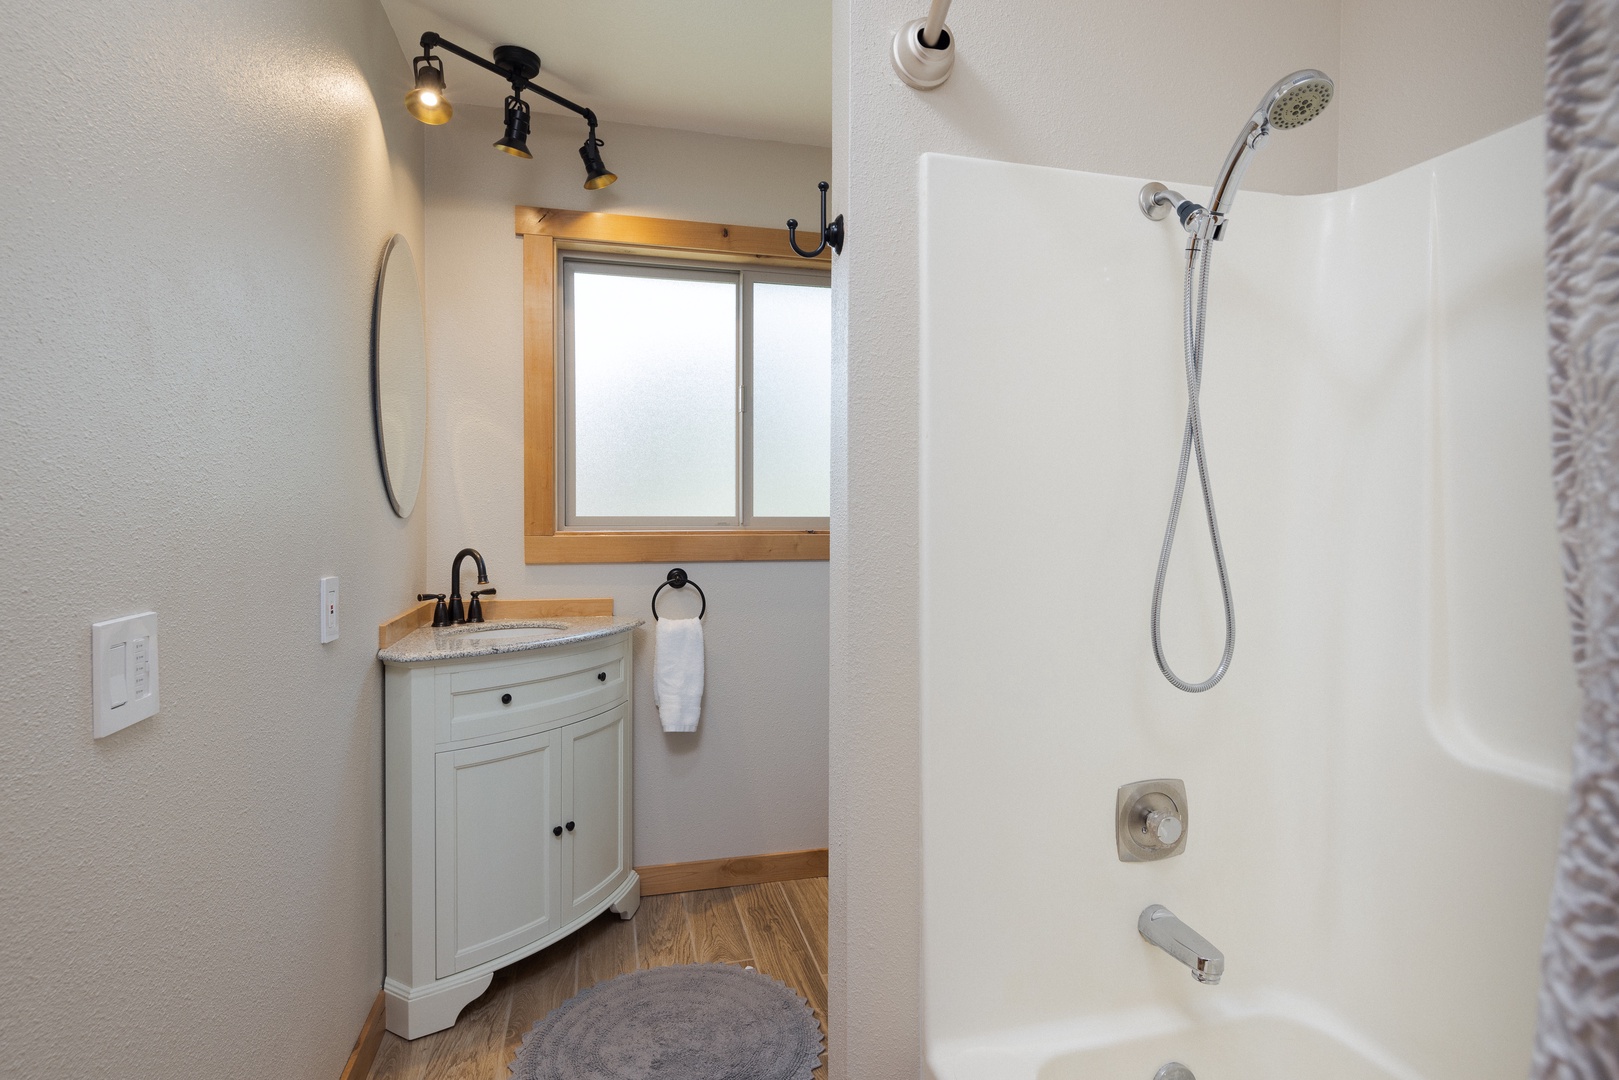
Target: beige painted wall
<point>1421,78</point>
<point>753,778</point>
<point>1097,85</point>
<point>196,199</point>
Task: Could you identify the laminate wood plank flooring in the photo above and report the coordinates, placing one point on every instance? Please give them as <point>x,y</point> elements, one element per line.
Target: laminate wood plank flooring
<point>779,948</point>
<point>778,928</point>
<point>716,928</point>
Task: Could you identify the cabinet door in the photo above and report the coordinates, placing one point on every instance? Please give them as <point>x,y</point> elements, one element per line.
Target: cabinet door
<point>596,791</point>
<point>497,859</point>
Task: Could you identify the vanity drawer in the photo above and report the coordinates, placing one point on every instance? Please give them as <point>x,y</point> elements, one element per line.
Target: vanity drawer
<point>489,699</point>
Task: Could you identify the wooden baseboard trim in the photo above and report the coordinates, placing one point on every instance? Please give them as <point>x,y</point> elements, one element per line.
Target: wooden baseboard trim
<point>723,873</point>
<point>365,1047</point>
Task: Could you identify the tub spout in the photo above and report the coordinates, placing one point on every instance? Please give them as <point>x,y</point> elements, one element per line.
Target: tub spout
<point>1160,927</point>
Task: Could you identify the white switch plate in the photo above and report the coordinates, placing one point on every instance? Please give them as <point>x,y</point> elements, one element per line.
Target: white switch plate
<point>328,609</point>
<point>123,672</point>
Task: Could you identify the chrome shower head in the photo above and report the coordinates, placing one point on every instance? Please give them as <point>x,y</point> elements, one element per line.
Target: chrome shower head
<point>1292,102</point>
<point>1297,99</point>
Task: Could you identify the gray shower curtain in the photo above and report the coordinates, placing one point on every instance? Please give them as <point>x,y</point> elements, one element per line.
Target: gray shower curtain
<point>1578,1035</point>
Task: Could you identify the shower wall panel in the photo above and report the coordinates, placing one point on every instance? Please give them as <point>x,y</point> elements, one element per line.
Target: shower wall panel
<point>1375,788</point>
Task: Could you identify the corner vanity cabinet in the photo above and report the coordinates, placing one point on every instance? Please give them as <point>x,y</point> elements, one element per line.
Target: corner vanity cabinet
<point>509,824</point>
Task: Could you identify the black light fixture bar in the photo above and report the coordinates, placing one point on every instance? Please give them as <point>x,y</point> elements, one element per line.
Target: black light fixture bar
<point>431,40</point>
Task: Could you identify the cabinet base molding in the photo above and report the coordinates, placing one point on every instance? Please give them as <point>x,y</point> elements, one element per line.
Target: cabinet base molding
<point>628,900</point>
<point>365,1047</point>
<point>739,870</point>
<point>414,1012</point>
<point>421,1010</point>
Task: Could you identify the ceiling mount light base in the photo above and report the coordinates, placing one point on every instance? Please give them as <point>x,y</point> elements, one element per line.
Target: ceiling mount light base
<point>523,63</point>
<point>917,65</point>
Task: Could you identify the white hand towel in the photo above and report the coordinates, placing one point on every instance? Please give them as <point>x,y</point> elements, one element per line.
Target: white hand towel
<point>677,673</point>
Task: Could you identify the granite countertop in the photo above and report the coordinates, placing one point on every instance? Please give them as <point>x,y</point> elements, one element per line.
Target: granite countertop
<point>428,644</point>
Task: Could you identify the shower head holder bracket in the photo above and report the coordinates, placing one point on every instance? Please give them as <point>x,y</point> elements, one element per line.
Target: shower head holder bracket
<point>1201,223</point>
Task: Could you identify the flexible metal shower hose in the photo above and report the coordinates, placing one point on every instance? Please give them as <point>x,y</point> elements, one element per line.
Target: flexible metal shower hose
<point>1192,443</point>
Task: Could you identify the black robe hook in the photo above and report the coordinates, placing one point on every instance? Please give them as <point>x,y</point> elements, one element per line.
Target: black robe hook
<point>831,235</point>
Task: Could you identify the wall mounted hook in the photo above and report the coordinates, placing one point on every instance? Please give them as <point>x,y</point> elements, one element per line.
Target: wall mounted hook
<point>831,234</point>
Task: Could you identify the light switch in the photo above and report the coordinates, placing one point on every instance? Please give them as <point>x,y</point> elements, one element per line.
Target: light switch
<point>117,677</point>
<point>123,672</point>
<point>328,609</point>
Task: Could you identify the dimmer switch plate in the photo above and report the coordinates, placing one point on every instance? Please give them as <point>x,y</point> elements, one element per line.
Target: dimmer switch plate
<point>123,672</point>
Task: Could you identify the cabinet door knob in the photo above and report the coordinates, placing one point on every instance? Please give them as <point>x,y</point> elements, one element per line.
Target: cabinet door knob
<point>601,676</point>
<point>570,826</point>
<point>505,699</point>
<point>556,831</point>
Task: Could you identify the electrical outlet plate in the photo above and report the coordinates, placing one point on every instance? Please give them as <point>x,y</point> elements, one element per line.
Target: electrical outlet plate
<point>123,672</point>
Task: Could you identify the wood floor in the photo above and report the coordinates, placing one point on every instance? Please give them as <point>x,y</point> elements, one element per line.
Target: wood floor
<point>778,928</point>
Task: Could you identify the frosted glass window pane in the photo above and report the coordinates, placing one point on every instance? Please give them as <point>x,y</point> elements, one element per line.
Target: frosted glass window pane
<point>792,401</point>
<point>654,397</point>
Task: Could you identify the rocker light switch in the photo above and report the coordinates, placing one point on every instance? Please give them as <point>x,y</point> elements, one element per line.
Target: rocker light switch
<point>328,609</point>
<point>123,672</point>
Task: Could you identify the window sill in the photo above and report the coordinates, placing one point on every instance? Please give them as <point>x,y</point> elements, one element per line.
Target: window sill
<point>742,545</point>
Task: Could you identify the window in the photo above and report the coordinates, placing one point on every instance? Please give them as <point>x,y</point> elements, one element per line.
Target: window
<point>695,396</point>
<point>678,385</point>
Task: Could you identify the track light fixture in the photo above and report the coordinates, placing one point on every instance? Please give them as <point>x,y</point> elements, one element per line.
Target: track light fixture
<point>427,101</point>
<point>518,66</point>
<point>596,174</point>
<point>515,141</point>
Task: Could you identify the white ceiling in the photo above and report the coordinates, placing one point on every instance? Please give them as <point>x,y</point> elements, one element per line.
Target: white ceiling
<point>758,69</point>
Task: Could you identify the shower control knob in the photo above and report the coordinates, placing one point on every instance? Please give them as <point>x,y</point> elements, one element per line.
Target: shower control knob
<point>1151,820</point>
<point>1164,826</point>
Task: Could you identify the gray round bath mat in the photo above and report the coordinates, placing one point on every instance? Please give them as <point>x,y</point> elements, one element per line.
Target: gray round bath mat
<point>687,1022</point>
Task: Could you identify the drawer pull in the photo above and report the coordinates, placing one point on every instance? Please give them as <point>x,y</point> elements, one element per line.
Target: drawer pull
<point>556,831</point>
<point>505,699</point>
<point>601,676</point>
<point>570,826</point>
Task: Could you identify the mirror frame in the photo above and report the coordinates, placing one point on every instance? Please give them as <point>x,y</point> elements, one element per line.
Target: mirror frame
<point>396,239</point>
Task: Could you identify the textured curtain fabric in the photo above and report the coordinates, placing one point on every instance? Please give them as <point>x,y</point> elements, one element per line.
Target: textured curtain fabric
<point>1578,1036</point>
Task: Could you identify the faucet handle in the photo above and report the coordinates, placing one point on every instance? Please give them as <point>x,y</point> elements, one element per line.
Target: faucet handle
<point>441,614</point>
<point>475,608</point>
<point>1166,825</point>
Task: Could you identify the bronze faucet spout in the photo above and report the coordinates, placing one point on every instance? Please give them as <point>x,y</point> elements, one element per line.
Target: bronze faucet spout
<point>457,611</point>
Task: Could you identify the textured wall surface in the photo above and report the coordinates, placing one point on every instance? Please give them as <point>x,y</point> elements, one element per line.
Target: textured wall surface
<point>1093,85</point>
<point>753,779</point>
<point>196,198</point>
<point>1421,77</point>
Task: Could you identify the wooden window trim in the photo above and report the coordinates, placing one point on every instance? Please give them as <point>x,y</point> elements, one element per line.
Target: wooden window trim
<point>544,231</point>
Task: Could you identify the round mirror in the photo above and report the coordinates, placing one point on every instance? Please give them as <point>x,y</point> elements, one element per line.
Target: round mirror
<point>399,375</point>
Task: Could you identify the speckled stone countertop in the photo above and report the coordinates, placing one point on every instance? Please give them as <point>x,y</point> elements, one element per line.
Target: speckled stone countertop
<point>429,644</point>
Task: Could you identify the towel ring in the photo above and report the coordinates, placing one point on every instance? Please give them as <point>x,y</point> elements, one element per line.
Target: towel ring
<point>677,579</point>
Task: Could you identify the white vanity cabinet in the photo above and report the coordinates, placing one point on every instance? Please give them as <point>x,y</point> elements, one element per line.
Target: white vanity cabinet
<point>508,815</point>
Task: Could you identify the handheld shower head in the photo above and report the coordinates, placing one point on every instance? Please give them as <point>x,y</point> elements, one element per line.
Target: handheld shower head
<point>1293,102</point>
<point>1297,99</point>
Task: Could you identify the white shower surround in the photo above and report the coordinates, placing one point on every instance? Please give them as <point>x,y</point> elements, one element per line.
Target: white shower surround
<point>1376,788</point>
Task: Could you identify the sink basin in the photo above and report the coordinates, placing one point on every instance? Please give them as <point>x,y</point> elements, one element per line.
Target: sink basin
<point>512,633</point>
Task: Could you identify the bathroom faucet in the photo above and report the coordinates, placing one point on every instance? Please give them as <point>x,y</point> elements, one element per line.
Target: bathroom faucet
<point>475,614</point>
<point>1160,927</point>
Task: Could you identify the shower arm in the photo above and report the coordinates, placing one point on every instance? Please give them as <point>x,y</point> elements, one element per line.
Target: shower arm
<point>431,41</point>
<point>1208,223</point>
